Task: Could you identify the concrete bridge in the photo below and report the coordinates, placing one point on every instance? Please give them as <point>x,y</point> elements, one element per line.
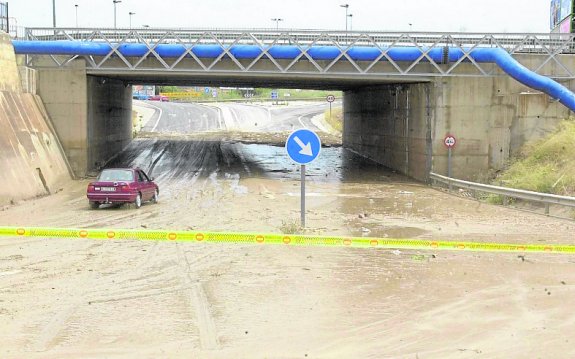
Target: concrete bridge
<point>403,92</point>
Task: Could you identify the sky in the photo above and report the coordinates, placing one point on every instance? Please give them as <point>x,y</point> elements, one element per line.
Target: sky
<point>483,16</point>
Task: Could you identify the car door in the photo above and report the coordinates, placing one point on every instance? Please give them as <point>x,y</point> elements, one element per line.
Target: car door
<point>148,185</point>
<point>151,184</point>
<point>143,186</point>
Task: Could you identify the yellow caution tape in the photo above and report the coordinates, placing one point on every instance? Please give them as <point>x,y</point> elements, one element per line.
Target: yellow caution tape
<point>279,239</point>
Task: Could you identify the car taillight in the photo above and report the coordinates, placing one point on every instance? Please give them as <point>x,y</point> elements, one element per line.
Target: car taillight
<point>125,187</point>
<point>90,188</point>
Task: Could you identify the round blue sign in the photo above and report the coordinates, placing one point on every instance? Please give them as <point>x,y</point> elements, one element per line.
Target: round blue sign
<point>303,146</point>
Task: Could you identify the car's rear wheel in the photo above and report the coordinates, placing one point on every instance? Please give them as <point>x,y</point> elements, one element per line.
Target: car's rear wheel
<point>155,197</point>
<point>94,205</point>
<point>138,201</point>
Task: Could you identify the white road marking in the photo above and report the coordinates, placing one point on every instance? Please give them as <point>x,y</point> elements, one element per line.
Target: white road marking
<point>300,121</point>
<point>159,117</point>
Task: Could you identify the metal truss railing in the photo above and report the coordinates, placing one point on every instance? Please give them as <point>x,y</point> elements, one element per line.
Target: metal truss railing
<point>549,50</point>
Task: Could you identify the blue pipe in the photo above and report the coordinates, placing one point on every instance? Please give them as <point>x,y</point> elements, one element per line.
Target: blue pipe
<point>326,53</point>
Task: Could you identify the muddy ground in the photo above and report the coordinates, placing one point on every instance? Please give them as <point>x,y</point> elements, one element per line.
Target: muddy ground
<point>106,299</point>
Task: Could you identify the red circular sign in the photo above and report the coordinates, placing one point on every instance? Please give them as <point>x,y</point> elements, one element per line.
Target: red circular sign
<point>330,98</point>
<point>449,141</point>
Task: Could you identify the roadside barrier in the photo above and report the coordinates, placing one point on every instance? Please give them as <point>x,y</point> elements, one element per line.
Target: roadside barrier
<point>279,239</point>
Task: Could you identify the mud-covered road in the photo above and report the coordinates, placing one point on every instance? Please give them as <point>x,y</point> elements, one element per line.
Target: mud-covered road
<point>136,299</point>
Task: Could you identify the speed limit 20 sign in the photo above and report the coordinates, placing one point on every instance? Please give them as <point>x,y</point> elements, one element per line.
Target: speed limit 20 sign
<point>449,141</point>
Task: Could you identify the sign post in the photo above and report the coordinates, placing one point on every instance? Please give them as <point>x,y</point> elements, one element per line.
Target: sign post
<point>449,141</point>
<point>330,99</point>
<point>303,146</point>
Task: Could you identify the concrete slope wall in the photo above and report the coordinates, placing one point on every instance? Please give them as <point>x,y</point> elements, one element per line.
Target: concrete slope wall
<point>9,77</point>
<point>31,161</point>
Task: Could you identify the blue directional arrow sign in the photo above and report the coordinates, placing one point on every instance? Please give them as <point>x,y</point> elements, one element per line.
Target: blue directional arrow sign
<point>303,146</point>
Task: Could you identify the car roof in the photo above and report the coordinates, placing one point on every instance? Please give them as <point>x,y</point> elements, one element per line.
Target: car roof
<point>122,168</point>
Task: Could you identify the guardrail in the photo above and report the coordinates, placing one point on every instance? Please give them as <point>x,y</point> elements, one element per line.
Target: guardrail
<point>506,193</point>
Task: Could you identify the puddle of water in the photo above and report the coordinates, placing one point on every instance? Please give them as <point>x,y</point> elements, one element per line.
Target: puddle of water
<point>380,230</point>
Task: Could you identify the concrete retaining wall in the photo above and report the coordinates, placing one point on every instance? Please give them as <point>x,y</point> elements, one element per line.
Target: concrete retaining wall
<point>403,126</point>
<point>491,118</point>
<point>31,161</point>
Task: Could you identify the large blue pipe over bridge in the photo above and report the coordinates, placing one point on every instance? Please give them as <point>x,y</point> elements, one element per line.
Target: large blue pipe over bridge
<point>289,52</point>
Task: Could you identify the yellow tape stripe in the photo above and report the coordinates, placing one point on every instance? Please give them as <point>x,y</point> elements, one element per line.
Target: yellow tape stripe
<point>279,239</point>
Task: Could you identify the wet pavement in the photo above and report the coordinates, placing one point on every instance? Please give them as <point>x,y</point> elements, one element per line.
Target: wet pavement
<point>179,159</point>
<point>67,298</point>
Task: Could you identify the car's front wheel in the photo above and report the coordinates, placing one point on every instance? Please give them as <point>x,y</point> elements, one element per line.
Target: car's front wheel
<point>155,197</point>
<point>138,201</point>
<point>94,205</point>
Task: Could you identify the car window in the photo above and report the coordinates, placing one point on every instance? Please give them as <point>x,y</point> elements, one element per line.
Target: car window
<point>146,178</point>
<point>116,175</point>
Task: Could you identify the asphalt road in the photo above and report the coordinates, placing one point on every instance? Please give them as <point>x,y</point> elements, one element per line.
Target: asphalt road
<point>182,158</point>
<point>192,117</point>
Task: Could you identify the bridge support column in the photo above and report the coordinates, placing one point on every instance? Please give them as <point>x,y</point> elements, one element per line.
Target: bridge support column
<point>402,126</point>
<point>92,116</point>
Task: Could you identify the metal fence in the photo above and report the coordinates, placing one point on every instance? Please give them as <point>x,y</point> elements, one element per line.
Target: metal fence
<point>4,18</point>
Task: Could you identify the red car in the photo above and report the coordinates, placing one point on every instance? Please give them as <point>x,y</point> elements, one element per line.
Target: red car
<point>159,98</point>
<point>122,185</point>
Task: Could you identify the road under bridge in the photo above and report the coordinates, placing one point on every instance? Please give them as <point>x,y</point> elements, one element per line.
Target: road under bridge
<point>403,93</point>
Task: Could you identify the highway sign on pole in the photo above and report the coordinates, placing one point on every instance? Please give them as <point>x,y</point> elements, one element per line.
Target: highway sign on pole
<point>330,99</point>
<point>274,95</point>
<point>207,90</point>
<point>449,141</point>
<point>303,146</point>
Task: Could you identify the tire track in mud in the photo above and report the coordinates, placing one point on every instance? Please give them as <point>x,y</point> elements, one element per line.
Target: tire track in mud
<point>62,320</point>
<point>71,319</point>
<point>58,322</point>
<point>198,299</point>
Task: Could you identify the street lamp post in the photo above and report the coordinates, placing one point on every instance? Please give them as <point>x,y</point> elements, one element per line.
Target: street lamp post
<point>131,13</point>
<point>76,6</point>
<point>346,6</point>
<point>54,13</point>
<point>277,20</point>
<point>115,2</point>
<point>350,22</point>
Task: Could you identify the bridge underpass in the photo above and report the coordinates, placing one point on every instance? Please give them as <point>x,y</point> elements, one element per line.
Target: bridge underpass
<point>234,300</point>
<point>398,106</point>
